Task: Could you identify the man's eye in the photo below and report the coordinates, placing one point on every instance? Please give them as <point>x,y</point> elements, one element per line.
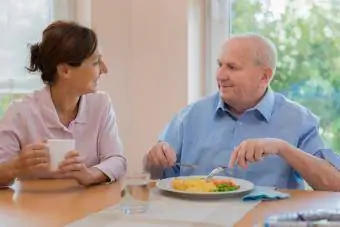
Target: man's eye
<point>232,67</point>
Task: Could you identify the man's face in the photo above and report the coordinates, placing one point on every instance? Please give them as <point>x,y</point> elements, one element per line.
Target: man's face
<point>240,80</point>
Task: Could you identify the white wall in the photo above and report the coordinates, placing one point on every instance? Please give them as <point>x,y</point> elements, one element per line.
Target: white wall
<point>145,45</point>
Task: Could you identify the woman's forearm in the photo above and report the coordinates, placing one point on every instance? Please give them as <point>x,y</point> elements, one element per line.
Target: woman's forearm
<point>114,168</point>
<point>8,173</point>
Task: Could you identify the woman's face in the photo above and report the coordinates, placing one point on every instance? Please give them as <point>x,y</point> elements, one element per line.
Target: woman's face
<point>84,78</point>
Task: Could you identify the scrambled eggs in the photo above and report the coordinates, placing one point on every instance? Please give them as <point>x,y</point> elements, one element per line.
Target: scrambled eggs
<point>200,185</point>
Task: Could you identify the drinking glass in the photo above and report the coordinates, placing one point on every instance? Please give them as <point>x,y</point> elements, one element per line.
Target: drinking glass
<point>135,193</point>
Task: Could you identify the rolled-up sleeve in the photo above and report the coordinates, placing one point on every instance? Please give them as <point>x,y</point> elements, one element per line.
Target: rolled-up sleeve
<point>112,161</point>
<point>173,134</point>
<point>312,143</point>
<point>330,156</point>
<point>9,134</point>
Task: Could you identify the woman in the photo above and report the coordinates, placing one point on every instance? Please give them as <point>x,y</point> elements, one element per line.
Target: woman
<point>68,107</point>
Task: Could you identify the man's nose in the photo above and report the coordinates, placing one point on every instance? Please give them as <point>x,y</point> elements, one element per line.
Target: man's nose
<point>222,73</point>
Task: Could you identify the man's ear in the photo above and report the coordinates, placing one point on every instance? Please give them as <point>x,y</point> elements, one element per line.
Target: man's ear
<point>267,75</point>
<point>63,70</point>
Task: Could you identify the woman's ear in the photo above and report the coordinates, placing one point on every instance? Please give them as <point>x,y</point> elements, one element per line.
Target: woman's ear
<point>63,70</point>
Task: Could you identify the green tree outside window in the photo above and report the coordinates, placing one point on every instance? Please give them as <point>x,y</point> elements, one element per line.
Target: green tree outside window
<point>308,41</point>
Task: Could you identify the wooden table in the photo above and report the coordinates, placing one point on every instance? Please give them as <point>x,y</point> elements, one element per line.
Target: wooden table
<point>58,202</point>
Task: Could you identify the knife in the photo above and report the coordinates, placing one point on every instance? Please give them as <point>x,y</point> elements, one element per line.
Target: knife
<point>235,171</point>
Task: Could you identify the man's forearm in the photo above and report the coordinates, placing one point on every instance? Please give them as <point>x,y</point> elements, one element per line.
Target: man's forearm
<point>318,173</point>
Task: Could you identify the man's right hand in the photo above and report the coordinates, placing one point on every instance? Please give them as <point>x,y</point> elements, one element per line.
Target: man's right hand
<point>33,159</point>
<point>161,155</point>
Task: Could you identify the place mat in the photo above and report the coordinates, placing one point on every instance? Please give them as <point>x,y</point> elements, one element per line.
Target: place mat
<point>169,211</point>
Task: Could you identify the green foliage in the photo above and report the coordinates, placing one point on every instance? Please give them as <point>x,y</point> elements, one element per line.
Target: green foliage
<point>5,101</point>
<point>308,41</point>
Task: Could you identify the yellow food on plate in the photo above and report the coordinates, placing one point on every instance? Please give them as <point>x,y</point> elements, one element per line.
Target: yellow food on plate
<point>200,185</point>
<point>193,185</point>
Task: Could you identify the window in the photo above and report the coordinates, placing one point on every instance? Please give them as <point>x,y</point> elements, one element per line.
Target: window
<point>307,34</point>
<point>21,23</point>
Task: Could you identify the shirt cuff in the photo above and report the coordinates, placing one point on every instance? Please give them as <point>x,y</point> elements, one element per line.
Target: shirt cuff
<point>114,168</point>
<point>329,156</point>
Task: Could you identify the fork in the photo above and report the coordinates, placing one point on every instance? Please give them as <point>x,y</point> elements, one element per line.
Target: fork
<point>210,176</point>
<point>215,171</point>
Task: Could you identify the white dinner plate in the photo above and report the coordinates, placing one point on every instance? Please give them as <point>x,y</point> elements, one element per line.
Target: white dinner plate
<point>245,186</point>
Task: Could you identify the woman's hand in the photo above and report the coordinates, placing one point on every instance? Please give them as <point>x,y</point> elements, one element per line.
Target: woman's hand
<point>33,160</point>
<point>73,167</point>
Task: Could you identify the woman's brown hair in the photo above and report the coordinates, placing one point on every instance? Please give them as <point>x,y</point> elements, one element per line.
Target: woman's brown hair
<point>62,42</point>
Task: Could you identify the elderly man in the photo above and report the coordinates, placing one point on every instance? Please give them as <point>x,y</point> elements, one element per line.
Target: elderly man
<point>249,125</point>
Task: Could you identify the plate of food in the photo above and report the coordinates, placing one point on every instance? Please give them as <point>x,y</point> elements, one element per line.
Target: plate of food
<point>220,186</point>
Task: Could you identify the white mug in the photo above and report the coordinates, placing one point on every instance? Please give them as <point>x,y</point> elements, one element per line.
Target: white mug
<point>58,148</point>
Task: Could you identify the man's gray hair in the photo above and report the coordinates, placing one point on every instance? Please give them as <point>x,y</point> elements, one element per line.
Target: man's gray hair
<point>265,52</point>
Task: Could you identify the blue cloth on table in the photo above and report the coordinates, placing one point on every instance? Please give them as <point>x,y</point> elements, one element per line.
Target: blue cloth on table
<point>264,194</point>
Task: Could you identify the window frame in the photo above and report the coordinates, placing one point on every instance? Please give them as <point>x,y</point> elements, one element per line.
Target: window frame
<point>217,30</point>
<point>77,10</point>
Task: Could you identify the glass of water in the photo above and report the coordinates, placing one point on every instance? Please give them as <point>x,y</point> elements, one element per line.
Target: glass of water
<point>135,193</point>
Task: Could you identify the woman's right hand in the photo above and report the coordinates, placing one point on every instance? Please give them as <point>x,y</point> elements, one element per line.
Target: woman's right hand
<point>33,159</point>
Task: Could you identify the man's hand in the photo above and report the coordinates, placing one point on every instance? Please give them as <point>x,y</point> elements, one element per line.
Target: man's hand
<point>161,155</point>
<point>253,150</point>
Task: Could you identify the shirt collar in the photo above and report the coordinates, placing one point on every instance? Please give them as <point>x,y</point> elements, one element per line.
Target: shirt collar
<point>221,105</point>
<point>264,107</point>
<point>49,112</point>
